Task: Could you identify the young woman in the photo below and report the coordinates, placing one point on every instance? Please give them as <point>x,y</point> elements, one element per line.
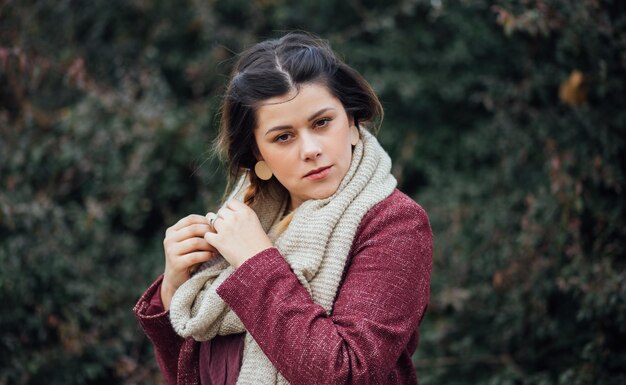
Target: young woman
<point>316,270</point>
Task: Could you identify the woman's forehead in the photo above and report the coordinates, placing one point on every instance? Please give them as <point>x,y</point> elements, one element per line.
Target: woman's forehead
<point>298,104</point>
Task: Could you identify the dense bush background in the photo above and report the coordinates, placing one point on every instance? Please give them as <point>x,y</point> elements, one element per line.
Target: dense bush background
<point>506,121</point>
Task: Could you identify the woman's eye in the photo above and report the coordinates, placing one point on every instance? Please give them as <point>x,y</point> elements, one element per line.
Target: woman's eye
<point>282,138</point>
<point>322,122</point>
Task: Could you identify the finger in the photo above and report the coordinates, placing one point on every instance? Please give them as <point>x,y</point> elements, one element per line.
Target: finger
<point>224,213</point>
<point>195,230</point>
<point>212,239</point>
<point>189,220</point>
<point>190,245</point>
<point>236,204</point>
<point>194,258</point>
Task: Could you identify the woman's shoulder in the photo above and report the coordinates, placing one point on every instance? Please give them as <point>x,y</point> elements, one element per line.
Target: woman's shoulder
<point>394,217</point>
<point>398,207</point>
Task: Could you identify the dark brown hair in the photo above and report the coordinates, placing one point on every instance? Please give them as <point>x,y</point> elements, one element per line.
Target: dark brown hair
<point>274,68</point>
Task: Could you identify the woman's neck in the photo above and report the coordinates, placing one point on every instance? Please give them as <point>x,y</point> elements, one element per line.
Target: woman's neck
<point>293,204</point>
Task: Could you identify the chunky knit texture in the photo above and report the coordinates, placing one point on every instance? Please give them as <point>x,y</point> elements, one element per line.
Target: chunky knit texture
<point>316,245</point>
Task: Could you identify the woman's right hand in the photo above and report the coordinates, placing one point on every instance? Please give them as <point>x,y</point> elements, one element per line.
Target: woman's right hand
<point>184,247</point>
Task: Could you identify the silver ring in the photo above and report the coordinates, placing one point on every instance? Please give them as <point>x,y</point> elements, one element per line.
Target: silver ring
<point>212,217</point>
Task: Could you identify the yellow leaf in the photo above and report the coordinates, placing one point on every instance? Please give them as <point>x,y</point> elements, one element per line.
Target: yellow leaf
<point>573,91</point>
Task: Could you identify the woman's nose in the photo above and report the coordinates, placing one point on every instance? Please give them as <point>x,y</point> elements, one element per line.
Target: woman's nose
<point>310,147</point>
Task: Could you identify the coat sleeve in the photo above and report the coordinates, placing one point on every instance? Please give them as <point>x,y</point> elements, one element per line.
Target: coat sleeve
<point>376,314</point>
<point>155,322</point>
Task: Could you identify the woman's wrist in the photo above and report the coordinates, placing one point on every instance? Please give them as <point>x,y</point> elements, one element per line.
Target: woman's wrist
<point>167,292</point>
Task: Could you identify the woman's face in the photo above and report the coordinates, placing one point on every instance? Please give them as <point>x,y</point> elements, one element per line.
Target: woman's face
<point>305,141</point>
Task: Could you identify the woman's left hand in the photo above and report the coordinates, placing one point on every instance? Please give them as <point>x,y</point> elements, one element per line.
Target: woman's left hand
<point>238,233</point>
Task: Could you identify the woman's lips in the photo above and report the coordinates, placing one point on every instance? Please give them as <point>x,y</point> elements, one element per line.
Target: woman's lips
<point>319,173</point>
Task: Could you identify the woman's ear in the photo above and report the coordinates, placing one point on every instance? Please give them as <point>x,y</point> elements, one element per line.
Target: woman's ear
<point>354,135</point>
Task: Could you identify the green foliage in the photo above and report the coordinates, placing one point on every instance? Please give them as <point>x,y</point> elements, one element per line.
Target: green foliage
<point>506,121</point>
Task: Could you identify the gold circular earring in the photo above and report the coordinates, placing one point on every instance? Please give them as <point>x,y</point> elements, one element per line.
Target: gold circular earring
<point>262,170</point>
<point>355,136</point>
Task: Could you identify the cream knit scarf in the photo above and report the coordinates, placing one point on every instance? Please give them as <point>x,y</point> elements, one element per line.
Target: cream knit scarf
<point>316,245</point>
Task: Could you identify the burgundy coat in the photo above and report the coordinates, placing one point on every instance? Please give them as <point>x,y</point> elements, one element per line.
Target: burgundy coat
<point>370,336</point>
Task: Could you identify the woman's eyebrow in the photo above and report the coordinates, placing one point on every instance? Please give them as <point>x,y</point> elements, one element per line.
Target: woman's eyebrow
<point>276,128</point>
<point>320,112</point>
<point>315,115</point>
